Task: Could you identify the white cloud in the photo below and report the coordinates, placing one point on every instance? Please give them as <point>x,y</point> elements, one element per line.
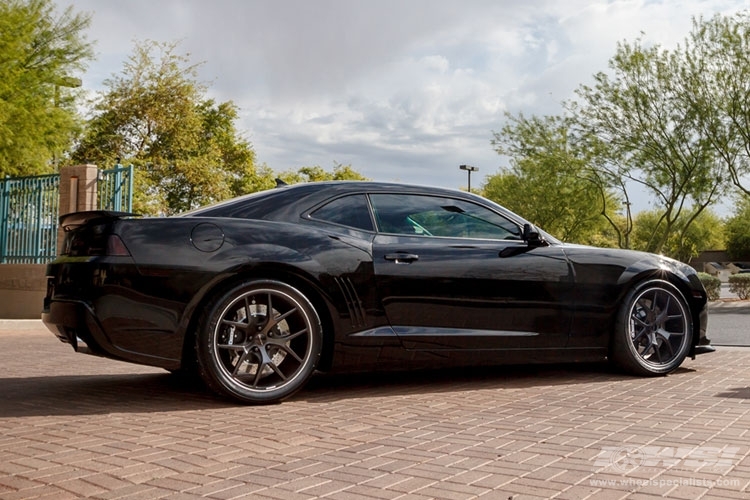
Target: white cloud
<point>401,90</point>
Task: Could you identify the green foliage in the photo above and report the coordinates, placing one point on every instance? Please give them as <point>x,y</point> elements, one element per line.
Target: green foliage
<point>713,79</point>
<point>640,114</point>
<point>688,236</point>
<point>676,122</point>
<point>712,284</point>
<point>316,173</point>
<point>40,51</point>
<point>737,231</point>
<point>550,181</point>
<point>740,284</point>
<point>186,149</point>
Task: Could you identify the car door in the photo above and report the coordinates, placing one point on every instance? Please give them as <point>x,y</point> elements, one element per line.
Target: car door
<point>454,274</point>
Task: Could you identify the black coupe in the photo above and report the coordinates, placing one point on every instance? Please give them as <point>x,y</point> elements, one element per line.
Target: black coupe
<point>258,292</point>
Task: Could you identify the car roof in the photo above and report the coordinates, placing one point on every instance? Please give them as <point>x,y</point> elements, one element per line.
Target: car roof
<point>272,203</point>
<point>289,203</point>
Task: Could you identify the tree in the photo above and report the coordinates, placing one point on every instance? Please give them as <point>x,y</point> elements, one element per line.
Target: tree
<point>737,231</point>
<point>651,135</point>
<point>40,52</point>
<point>714,80</point>
<point>691,235</point>
<point>186,149</point>
<point>316,173</point>
<point>550,181</point>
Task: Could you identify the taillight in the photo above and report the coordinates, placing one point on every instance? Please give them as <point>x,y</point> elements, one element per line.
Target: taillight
<point>116,247</point>
<point>94,243</point>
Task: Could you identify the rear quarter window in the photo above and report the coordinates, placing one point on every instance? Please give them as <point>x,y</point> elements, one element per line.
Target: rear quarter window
<point>352,211</point>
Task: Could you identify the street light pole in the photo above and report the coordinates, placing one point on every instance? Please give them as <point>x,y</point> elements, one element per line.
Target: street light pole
<point>469,169</point>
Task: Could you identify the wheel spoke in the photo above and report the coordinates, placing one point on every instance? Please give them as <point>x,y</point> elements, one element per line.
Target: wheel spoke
<point>281,317</point>
<point>666,334</point>
<point>240,361</point>
<point>278,371</point>
<point>258,375</point>
<point>640,334</point>
<point>237,324</point>
<point>264,360</point>
<point>264,343</point>
<point>639,320</point>
<point>645,351</point>
<point>649,304</point>
<point>665,342</point>
<point>269,309</point>
<point>656,336</point>
<point>291,352</point>
<point>272,322</point>
<point>231,347</point>
<point>661,318</point>
<point>657,351</point>
<point>292,336</point>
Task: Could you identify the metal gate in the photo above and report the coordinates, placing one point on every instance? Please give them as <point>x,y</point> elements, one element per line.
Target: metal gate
<point>28,219</point>
<point>115,189</point>
<point>29,212</point>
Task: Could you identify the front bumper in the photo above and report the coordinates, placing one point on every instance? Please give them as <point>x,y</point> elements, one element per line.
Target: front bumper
<point>703,345</point>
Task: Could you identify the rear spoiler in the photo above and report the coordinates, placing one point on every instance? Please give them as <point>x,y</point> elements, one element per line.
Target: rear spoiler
<point>76,219</point>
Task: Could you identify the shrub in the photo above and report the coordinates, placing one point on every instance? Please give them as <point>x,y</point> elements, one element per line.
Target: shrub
<point>712,284</point>
<point>740,284</point>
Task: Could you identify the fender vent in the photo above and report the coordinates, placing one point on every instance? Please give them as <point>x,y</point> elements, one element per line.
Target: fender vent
<point>356,311</point>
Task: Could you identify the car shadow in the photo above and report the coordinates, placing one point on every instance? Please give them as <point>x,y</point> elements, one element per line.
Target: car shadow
<point>735,393</point>
<point>163,392</point>
<point>326,387</point>
<point>102,394</point>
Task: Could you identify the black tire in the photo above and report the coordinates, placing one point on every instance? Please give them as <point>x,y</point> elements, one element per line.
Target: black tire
<point>251,356</point>
<point>653,332</point>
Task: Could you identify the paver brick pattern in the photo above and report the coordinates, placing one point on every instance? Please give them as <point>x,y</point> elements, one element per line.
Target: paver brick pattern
<point>76,426</point>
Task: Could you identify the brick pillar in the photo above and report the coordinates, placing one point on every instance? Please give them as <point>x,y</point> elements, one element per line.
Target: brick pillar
<point>77,192</point>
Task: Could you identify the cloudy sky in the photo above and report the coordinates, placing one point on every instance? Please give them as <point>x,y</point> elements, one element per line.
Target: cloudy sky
<point>403,90</point>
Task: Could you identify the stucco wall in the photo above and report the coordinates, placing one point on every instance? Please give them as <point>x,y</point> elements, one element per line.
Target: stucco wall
<point>22,290</point>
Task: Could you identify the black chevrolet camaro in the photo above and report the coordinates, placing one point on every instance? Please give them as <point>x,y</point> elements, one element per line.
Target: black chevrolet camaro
<point>258,292</point>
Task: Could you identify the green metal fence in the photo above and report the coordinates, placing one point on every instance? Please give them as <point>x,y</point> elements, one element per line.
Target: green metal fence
<point>29,212</point>
<point>28,219</point>
<point>115,189</point>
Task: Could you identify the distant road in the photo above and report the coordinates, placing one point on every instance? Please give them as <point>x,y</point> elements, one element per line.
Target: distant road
<point>729,324</point>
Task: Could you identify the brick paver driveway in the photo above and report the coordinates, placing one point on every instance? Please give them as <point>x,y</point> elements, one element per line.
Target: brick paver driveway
<point>75,426</point>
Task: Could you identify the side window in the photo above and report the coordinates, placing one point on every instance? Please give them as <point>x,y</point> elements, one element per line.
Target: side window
<point>439,216</point>
<point>351,211</point>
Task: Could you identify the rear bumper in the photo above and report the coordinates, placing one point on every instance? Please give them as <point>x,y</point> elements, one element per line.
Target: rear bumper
<point>73,323</point>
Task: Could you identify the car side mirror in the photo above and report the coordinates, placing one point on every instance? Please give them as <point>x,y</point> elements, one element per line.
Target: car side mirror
<point>532,237</point>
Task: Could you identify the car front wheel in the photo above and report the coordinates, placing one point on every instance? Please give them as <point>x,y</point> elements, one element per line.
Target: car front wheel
<point>653,331</point>
<point>258,342</point>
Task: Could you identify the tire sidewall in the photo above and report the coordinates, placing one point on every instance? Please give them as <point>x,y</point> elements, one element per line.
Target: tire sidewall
<point>624,352</point>
<point>215,376</point>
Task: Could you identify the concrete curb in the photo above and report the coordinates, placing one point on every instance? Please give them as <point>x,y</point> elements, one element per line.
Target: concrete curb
<point>735,306</point>
<point>21,324</point>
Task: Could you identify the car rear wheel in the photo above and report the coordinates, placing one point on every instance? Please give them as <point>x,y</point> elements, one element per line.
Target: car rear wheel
<point>259,342</point>
<point>653,330</point>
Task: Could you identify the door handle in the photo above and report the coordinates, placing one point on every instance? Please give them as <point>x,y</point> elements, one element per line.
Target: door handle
<point>402,258</point>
